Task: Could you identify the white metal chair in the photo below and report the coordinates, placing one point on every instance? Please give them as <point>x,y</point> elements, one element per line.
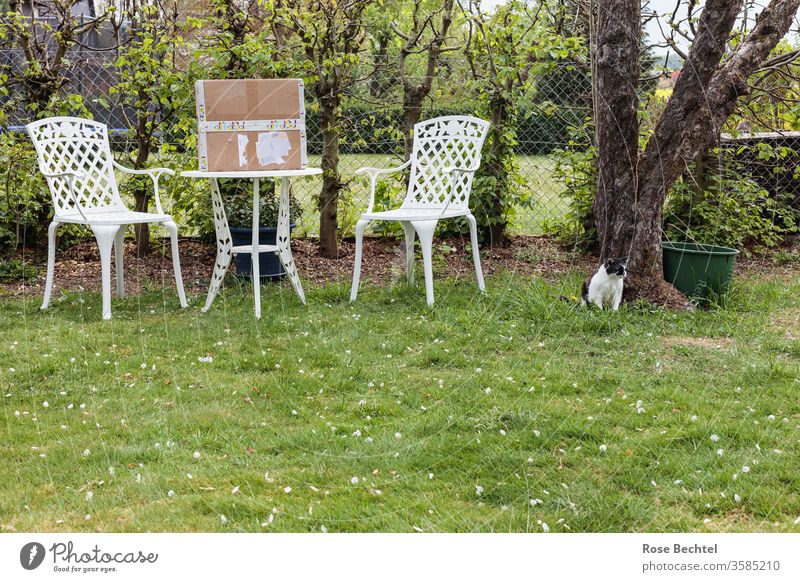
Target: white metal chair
<point>445,156</point>
<point>75,157</point>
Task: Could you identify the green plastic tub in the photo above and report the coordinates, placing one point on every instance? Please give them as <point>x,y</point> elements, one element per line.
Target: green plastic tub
<point>696,269</point>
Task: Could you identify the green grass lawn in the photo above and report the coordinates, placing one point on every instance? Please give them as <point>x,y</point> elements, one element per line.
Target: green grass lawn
<point>508,412</point>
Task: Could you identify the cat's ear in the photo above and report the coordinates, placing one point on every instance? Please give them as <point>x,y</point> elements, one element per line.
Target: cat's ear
<point>623,261</point>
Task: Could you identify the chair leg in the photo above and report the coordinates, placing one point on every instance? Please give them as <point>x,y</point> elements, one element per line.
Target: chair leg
<point>176,261</point>
<point>119,249</point>
<point>425,230</point>
<point>224,256</point>
<point>360,226</point>
<point>105,242</point>
<point>51,263</point>
<point>409,232</point>
<point>476,254</point>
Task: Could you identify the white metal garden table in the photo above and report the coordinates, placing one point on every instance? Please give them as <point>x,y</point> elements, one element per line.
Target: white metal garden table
<point>225,248</point>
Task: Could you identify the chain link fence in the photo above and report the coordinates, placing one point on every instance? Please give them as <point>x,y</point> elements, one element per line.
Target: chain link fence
<point>372,135</point>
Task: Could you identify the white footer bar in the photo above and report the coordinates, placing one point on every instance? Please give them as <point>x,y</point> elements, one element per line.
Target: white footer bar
<point>388,557</point>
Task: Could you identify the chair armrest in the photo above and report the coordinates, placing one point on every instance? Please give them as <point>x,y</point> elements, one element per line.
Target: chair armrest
<point>381,171</point>
<point>70,177</point>
<point>154,173</point>
<point>145,172</point>
<point>373,174</point>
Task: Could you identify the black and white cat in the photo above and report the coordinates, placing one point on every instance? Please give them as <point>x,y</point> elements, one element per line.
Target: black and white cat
<point>604,288</point>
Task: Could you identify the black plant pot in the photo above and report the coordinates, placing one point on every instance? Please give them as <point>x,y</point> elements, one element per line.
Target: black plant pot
<point>269,265</point>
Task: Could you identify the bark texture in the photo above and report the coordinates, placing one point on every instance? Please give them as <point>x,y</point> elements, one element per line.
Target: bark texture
<point>416,88</point>
<point>331,180</point>
<point>632,186</point>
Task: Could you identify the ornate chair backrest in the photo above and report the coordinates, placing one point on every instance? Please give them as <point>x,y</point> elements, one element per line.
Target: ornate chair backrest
<point>72,144</point>
<point>439,143</point>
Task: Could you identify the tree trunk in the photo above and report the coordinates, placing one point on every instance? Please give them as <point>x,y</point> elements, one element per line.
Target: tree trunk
<point>664,158</point>
<point>141,194</point>
<point>631,189</point>
<point>331,181</point>
<point>495,230</point>
<point>381,81</point>
<point>616,76</point>
<point>412,112</point>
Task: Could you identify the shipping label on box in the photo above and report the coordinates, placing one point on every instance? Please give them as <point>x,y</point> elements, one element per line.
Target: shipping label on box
<point>251,124</point>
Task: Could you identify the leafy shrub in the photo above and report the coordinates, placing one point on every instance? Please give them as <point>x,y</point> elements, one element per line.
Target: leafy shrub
<point>733,210</point>
<point>237,196</point>
<point>368,130</point>
<point>575,170</point>
<point>16,270</point>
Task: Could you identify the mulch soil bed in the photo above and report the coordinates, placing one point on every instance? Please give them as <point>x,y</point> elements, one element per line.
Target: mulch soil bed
<point>78,267</point>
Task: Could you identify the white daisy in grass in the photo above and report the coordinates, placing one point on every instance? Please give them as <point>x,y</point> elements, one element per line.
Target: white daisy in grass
<point>223,520</point>
<point>87,517</point>
<point>745,469</point>
<point>170,493</point>
<point>603,448</point>
<point>45,404</point>
<point>354,480</point>
<point>287,489</point>
<point>89,495</point>
<point>206,360</point>
<point>737,498</point>
<point>478,490</point>
<point>86,452</point>
<point>196,455</point>
<point>398,435</point>
<point>545,527</point>
<point>714,438</point>
<point>720,452</point>
<point>235,490</point>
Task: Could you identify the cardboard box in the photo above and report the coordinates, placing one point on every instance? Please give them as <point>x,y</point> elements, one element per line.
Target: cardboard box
<point>251,124</point>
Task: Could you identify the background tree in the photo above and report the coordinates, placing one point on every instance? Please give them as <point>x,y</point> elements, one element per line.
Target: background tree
<point>331,35</point>
<point>505,51</point>
<point>151,89</point>
<point>632,185</point>
<point>426,36</point>
<point>45,44</point>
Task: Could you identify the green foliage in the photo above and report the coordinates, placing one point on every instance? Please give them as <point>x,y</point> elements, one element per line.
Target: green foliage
<point>576,171</point>
<point>510,49</point>
<point>237,197</point>
<point>25,203</point>
<point>787,257</point>
<point>734,211</point>
<point>17,270</point>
